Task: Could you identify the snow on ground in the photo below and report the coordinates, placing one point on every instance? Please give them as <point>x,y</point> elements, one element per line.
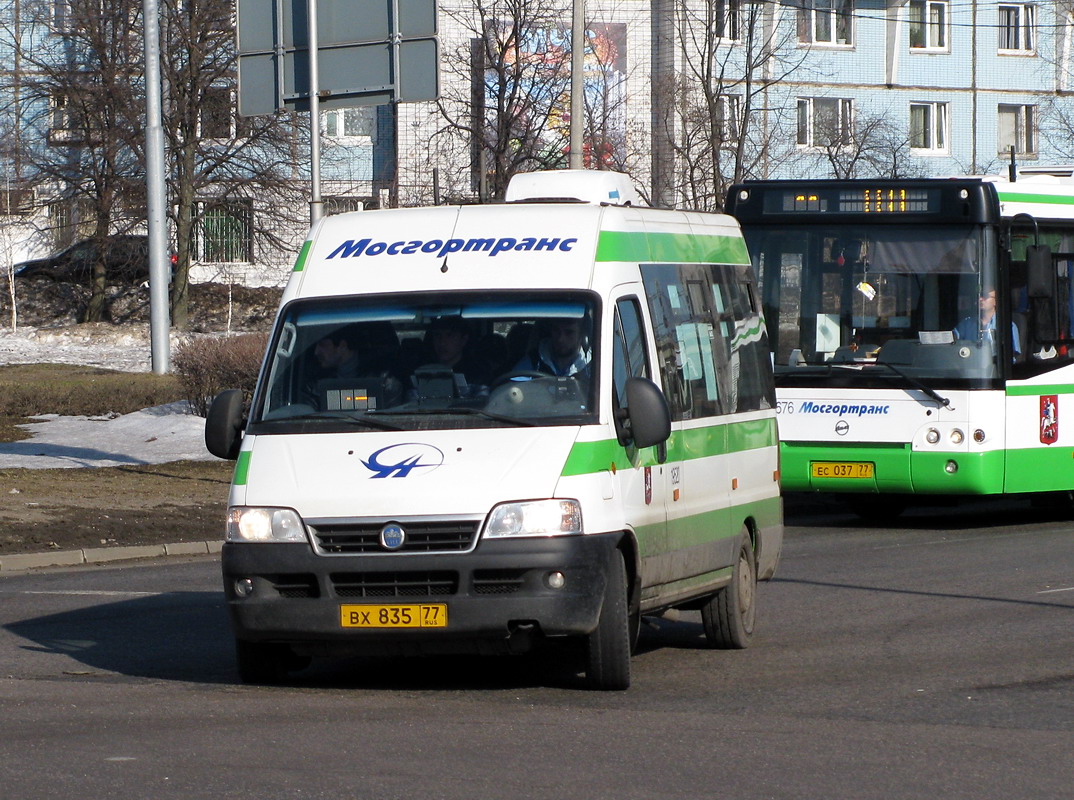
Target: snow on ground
<point>150,436</point>
<point>126,348</point>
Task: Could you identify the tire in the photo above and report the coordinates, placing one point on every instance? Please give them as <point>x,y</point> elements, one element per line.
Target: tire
<point>729,615</point>
<point>607,648</point>
<point>265,662</point>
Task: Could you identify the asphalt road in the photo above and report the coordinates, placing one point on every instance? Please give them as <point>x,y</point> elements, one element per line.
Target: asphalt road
<point>931,658</point>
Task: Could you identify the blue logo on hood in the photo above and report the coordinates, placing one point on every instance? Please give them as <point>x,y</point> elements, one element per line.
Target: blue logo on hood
<point>399,460</point>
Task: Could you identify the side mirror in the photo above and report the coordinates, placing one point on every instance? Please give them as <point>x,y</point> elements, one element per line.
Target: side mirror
<point>223,425</point>
<point>1042,288</point>
<point>648,412</point>
<point>1041,277</point>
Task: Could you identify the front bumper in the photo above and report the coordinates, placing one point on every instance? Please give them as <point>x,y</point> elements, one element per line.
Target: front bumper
<point>497,596</point>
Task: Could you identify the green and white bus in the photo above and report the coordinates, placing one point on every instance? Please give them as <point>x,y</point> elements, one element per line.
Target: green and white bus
<point>920,332</point>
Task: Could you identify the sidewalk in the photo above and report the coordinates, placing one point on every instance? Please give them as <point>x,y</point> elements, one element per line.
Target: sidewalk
<point>20,562</point>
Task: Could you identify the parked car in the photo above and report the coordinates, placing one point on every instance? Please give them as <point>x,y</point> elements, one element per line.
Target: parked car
<point>126,260</point>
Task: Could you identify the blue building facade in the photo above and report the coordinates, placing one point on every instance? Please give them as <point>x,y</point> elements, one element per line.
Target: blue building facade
<point>928,87</point>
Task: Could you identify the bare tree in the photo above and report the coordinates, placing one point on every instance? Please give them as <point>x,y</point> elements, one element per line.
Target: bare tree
<point>866,145</point>
<point>732,54</point>
<point>509,83</point>
<point>80,66</point>
<point>233,180</point>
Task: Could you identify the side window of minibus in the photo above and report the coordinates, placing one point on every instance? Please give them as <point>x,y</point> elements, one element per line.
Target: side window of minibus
<point>629,359</point>
<point>740,326</point>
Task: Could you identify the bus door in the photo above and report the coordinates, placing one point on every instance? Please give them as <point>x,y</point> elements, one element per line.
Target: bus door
<point>642,482</point>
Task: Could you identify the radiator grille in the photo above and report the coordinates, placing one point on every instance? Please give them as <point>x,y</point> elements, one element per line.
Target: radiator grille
<point>350,538</point>
<point>395,584</point>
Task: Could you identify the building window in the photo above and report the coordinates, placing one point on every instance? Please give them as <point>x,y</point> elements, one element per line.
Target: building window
<point>726,18</point>
<point>825,21</point>
<point>824,121</point>
<point>928,24</point>
<point>1016,130</point>
<point>59,112</point>
<point>60,11</point>
<point>728,110</point>
<point>1017,27</point>
<point>223,233</point>
<point>928,126</point>
<point>216,120</point>
<point>348,122</point>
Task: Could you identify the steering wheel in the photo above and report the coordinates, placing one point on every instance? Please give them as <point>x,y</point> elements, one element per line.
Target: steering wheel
<point>520,373</point>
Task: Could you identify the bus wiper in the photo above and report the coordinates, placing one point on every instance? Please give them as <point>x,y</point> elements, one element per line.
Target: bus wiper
<point>462,411</point>
<point>928,390</point>
<point>356,417</point>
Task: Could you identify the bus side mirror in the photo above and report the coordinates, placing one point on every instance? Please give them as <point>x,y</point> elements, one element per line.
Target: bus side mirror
<point>1042,288</point>
<point>224,424</point>
<point>650,417</point>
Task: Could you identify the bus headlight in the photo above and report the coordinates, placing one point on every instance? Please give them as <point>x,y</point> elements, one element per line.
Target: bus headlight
<point>957,436</point>
<point>932,436</point>
<point>979,436</point>
<point>535,518</point>
<point>248,524</point>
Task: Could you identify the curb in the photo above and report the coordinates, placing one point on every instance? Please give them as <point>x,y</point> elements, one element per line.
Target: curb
<point>104,555</point>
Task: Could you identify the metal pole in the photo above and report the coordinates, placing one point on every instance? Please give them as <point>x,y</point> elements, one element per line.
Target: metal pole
<point>316,205</point>
<point>157,219</point>
<point>577,83</point>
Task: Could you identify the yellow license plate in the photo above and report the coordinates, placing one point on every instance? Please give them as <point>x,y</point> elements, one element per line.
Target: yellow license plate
<point>842,469</point>
<point>431,615</point>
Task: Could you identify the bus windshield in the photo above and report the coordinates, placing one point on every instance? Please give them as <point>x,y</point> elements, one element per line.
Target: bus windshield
<point>882,299</point>
<point>427,362</point>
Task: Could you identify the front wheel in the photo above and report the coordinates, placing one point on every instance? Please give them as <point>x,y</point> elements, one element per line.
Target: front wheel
<point>730,614</point>
<point>608,646</point>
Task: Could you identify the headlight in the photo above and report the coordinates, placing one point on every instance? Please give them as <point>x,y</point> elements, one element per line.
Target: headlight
<point>535,518</point>
<point>246,524</point>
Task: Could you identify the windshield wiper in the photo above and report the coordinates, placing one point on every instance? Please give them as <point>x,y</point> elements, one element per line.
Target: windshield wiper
<point>928,390</point>
<point>358,418</point>
<point>460,411</point>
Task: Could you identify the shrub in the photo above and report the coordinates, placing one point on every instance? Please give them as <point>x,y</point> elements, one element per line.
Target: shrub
<point>27,390</point>
<point>207,366</point>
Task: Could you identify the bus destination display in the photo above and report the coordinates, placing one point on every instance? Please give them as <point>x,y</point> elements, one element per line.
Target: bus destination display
<point>879,200</point>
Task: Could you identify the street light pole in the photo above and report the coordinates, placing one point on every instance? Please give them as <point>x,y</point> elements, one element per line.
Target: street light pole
<point>156,200</point>
<point>577,83</point>
<point>316,205</point>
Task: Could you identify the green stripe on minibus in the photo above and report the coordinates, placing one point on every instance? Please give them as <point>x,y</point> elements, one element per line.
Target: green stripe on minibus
<point>712,440</point>
<point>242,469</point>
<point>303,254</point>
<point>671,248</point>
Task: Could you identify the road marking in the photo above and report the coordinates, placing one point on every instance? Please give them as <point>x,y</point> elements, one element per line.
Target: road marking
<point>89,593</point>
<point>1053,591</point>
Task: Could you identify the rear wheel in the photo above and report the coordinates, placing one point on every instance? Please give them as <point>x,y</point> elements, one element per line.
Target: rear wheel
<point>266,662</point>
<point>729,615</point>
<point>608,646</point>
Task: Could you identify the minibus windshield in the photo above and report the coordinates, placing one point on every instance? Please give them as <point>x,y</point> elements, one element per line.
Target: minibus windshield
<point>430,361</point>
